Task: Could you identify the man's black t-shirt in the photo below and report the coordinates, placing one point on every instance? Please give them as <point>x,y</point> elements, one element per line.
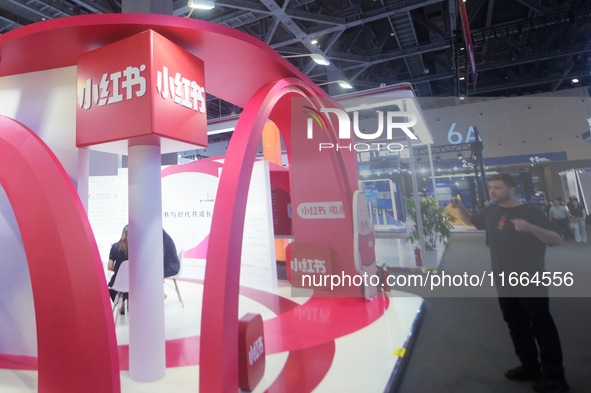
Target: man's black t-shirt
<point>510,250</point>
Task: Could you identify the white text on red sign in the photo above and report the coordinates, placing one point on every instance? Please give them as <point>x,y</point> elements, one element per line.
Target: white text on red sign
<point>308,265</point>
<point>183,91</point>
<point>256,350</point>
<point>321,210</point>
<point>113,88</point>
<point>125,85</point>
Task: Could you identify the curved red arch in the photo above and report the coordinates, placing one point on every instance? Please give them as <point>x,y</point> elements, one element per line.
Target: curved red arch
<point>218,370</point>
<point>76,341</point>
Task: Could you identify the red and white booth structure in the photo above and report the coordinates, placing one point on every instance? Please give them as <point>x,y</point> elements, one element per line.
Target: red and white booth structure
<point>135,85</point>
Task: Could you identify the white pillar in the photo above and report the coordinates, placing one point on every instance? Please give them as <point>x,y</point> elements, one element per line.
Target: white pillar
<point>433,181</point>
<point>82,181</point>
<point>416,196</point>
<point>416,191</point>
<point>147,357</point>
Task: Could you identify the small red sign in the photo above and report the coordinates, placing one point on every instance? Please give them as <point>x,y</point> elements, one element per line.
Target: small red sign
<point>140,86</point>
<point>251,351</point>
<point>309,265</point>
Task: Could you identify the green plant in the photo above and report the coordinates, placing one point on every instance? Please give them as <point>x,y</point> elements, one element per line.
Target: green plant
<point>437,223</point>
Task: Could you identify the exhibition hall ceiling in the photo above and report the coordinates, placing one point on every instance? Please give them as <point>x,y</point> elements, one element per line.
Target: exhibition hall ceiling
<point>520,46</point>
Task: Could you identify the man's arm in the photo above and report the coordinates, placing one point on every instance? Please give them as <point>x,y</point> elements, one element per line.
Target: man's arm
<point>546,236</point>
<point>464,214</point>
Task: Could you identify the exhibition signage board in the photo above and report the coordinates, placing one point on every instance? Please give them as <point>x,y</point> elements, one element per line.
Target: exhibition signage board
<point>324,137</point>
<point>143,85</point>
<point>309,263</point>
<point>322,184</point>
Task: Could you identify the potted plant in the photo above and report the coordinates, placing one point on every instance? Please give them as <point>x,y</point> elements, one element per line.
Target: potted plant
<point>437,223</point>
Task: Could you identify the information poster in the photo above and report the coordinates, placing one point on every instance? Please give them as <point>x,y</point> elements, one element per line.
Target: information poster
<point>107,211</point>
<point>188,198</point>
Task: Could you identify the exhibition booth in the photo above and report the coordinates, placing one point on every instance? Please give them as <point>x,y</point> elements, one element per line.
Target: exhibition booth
<point>136,85</point>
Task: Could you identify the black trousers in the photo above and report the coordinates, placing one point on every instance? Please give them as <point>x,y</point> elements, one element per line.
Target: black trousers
<point>113,294</point>
<point>533,332</point>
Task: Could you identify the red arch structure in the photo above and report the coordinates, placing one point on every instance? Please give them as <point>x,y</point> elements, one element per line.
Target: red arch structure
<point>219,325</point>
<point>76,341</point>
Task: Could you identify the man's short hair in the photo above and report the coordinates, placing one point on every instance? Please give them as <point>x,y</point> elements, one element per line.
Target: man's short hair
<point>505,178</point>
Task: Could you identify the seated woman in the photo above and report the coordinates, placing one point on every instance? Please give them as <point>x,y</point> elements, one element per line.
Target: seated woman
<point>171,259</point>
<point>117,255</point>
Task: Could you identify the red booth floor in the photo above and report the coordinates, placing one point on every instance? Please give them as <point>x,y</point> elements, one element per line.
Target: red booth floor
<point>311,344</point>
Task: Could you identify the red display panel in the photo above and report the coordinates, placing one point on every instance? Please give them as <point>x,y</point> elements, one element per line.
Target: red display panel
<point>251,351</point>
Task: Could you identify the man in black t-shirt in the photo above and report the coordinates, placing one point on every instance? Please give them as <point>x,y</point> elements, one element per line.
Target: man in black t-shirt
<point>517,235</point>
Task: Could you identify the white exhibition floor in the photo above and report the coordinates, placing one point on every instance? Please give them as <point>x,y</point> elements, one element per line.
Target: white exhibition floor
<point>398,253</point>
<point>350,356</point>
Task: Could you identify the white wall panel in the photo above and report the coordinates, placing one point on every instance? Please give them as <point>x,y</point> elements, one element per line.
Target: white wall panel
<point>506,122</point>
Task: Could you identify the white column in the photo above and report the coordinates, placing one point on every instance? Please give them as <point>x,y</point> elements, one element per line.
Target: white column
<point>433,181</point>
<point>416,191</point>
<point>416,196</point>
<point>147,357</point>
<point>82,175</point>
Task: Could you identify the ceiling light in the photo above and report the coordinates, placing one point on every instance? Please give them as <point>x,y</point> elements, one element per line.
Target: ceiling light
<point>344,84</point>
<point>201,4</point>
<point>318,58</point>
<point>314,41</point>
<point>462,78</point>
<point>574,80</point>
<point>462,98</point>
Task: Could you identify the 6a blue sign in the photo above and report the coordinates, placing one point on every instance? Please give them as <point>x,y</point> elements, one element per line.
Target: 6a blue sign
<point>456,137</point>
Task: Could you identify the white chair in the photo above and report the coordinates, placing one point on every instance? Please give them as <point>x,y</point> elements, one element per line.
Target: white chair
<point>173,278</point>
<point>121,286</point>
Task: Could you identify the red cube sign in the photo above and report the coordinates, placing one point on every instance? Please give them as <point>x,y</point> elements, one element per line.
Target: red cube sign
<point>143,85</point>
<point>251,351</point>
